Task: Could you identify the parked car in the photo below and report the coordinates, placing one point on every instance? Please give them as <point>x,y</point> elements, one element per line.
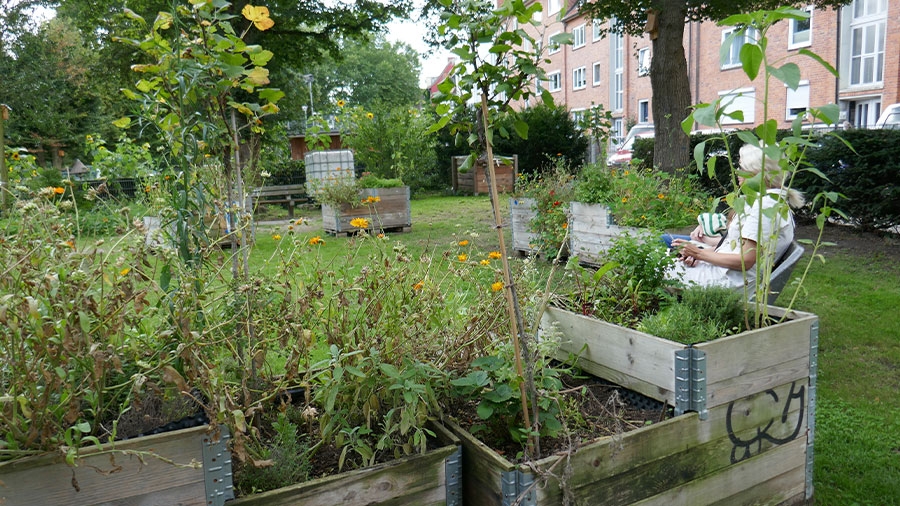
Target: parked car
<point>890,117</point>
<point>623,152</point>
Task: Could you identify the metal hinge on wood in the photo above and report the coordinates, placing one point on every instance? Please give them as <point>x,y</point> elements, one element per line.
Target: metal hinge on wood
<point>517,489</point>
<point>217,470</point>
<point>453,473</point>
<point>690,382</point>
<point>811,405</point>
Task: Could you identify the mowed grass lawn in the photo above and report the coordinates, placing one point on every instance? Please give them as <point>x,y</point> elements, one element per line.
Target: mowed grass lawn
<point>856,296</point>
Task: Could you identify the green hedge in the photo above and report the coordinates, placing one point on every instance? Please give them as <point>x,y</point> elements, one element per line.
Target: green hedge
<point>867,175</point>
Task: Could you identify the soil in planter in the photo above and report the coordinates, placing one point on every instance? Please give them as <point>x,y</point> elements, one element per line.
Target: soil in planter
<point>603,409</point>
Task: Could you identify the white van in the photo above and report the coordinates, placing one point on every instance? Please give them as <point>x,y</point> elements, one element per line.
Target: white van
<point>890,117</point>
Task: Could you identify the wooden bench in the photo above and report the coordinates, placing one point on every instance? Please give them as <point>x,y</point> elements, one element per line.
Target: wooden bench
<point>288,194</point>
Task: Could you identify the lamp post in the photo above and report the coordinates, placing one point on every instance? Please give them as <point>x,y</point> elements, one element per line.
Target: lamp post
<point>309,80</point>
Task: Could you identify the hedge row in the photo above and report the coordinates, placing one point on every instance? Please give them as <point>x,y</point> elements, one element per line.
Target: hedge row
<point>861,165</point>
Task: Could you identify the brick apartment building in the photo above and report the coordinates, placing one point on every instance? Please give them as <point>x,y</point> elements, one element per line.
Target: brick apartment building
<point>861,40</point>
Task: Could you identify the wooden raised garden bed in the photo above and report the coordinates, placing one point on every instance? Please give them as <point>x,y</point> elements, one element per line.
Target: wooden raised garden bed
<point>390,213</point>
<point>743,433</point>
<point>522,211</point>
<point>475,182</point>
<point>197,472</point>
<point>429,479</point>
<point>591,231</point>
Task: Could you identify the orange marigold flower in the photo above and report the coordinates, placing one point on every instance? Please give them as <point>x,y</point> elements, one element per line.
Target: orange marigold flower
<point>565,225</point>
<point>463,243</point>
<point>624,199</point>
<point>661,196</point>
<point>419,285</point>
<point>380,236</point>
<point>625,173</point>
<point>59,190</point>
<point>495,255</point>
<point>315,241</point>
<point>359,223</point>
<point>496,287</point>
<point>463,257</point>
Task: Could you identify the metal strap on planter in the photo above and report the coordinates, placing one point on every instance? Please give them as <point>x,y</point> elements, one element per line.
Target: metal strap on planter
<point>811,405</point>
<point>217,473</point>
<point>690,382</point>
<point>515,483</point>
<point>453,474</point>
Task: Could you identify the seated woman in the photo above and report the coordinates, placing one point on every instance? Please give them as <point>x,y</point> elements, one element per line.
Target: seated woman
<point>711,261</point>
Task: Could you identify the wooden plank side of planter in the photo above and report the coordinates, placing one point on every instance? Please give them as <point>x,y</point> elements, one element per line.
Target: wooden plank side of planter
<point>521,212</point>
<point>635,360</point>
<point>482,470</point>
<point>748,482</point>
<point>654,459</point>
<point>592,231</point>
<point>757,360</point>
<point>392,211</point>
<point>113,478</point>
<point>416,479</point>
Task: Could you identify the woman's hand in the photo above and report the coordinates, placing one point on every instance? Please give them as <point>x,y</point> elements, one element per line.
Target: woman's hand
<point>689,252</point>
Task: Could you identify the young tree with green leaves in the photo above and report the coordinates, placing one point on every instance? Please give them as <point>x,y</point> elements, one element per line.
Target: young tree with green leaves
<point>668,68</point>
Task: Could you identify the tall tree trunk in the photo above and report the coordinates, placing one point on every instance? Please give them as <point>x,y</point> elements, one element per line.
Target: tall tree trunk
<point>671,88</point>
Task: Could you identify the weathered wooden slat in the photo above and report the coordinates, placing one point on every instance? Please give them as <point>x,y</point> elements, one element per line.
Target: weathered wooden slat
<point>591,231</point>
<point>482,469</point>
<point>521,212</point>
<point>791,487</point>
<point>635,360</point>
<point>761,380</point>
<point>392,211</point>
<point>417,479</point>
<point>111,477</point>
<point>732,482</point>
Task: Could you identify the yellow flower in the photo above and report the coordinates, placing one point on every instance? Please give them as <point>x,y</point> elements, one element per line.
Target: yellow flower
<point>276,237</point>
<point>463,257</point>
<point>624,199</point>
<point>495,255</point>
<point>496,287</point>
<point>298,221</point>
<point>259,16</point>
<point>565,225</point>
<point>124,272</point>
<point>661,196</point>
<point>380,236</point>
<point>485,262</point>
<point>369,115</point>
<point>419,285</point>
<point>314,241</point>
<point>625,173</point>
<point>70,243</point>
<point>341,103</point>
<point>359,223</point>
<point>372,199</point>
<point>463,243</point>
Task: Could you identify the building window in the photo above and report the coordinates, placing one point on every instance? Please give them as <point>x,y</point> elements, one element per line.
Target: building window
<point>867,33</point>
<point>578,116</point>
<point>552,47</point>
<point>579,78</point>
<point>643,111</point>
<point>644,61</point>
<point>554,81</point>
<point>578,37</point>
<point>734,39</point>
<point>598,73</point>
<point>617,132</point>
<point>797,101</point>
<point>553,6</point>
<point>800,31</point>
<point>740,103</point>
<point>597,31</point>
<point>618,90</point>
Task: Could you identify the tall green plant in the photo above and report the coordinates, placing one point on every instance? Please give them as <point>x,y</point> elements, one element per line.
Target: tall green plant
<point>789,151</point>
<point>498,63</point>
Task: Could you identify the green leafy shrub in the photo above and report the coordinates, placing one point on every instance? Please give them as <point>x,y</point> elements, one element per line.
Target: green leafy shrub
<point>552,134</point>
<point>702,314</point>
<point>866,174</point>
<point>285,458</point>
<point>552,190</point>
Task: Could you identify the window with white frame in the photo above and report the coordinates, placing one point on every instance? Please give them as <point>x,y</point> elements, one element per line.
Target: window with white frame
<point>578,116</point>
<point>643,111</point>
<point>618,91</point>
<point>740,102</point>
<point>734,39</point>
<point>797,101</point>
<point>579,78</point>
<point>800,31</point>
<point>552,47</point>
<point>553,6</point>
<point>578,37</point>
<point>597,30</point>
<point>617,132</point>
<point>644,61</point>
<point>597,69</point>
<point>554,81</point>
<point>867,34</point>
